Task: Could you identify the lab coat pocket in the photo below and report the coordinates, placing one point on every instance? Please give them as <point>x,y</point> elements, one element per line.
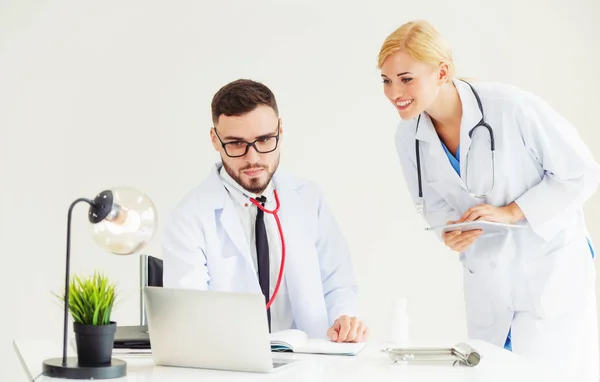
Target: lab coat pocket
<point>478,288</point>
<point>557,281</point>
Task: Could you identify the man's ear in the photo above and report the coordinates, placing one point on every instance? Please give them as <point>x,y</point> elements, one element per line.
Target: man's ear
<point>214,139</point>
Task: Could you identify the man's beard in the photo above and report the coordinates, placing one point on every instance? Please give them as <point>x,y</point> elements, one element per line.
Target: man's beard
<point>254,185</point>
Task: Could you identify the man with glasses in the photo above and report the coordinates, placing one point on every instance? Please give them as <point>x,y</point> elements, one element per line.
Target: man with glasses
<point>217,239</point>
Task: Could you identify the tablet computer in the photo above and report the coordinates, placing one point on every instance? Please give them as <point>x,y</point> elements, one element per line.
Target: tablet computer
<point>485,226</point>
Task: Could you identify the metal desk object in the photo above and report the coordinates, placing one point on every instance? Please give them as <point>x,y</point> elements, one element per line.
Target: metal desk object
<point>462,354</point>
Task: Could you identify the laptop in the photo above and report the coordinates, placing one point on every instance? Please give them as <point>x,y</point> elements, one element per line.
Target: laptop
<point>132,337</point>
<point>210,330</point>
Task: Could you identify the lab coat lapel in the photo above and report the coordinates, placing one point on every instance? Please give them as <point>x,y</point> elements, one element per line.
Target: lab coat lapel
<point>233,227</point>
<point>302,272</point>
<point>229,219</point>
<point>440,163</point>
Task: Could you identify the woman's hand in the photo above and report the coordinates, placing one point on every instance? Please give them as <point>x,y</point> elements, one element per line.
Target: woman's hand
<point>460,240</point>
<point>509,214</point>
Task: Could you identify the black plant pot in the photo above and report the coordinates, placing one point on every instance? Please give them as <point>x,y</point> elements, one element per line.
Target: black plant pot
<point>94,343</point>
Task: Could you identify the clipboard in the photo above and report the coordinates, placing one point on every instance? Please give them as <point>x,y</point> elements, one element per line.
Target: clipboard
<point>485,226</point>
<point>462,354</point>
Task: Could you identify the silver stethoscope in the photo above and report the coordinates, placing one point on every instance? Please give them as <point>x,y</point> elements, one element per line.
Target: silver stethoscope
<point>421,201</point>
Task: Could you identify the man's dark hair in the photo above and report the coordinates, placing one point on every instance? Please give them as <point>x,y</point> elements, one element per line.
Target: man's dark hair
<point>240,97</point>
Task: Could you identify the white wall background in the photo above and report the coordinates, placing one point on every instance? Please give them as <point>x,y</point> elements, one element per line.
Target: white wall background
<point>100,94</point>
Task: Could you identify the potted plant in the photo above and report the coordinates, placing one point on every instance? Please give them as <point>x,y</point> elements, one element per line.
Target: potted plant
<point>91,300</point>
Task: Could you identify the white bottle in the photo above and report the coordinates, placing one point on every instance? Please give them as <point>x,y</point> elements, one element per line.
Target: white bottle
<point>399,326</point>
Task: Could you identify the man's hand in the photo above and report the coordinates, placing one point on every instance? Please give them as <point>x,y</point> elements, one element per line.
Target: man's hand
<point>348,329</point>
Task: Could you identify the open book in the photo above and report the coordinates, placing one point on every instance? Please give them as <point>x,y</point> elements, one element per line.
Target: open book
<point>297,341</point>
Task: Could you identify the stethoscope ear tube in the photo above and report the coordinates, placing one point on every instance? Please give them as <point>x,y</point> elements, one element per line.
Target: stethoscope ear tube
<point>418,155</point>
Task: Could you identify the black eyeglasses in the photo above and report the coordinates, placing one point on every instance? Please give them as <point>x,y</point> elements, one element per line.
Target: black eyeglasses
<point>263,145</point>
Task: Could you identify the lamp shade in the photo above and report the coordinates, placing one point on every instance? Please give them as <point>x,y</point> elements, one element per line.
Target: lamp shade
<point>124,220</point>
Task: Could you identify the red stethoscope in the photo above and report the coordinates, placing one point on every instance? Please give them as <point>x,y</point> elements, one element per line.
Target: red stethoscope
<point>282,266</point>
<point>274,213</point>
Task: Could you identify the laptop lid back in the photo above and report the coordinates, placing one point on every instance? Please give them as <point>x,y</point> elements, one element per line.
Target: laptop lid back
<point>208,329</point>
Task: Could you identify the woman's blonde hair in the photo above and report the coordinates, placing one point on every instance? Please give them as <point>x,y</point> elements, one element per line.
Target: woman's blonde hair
<point>421,41</point>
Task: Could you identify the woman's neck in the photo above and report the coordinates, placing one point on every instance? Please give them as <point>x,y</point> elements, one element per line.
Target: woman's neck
<point>446,110</point>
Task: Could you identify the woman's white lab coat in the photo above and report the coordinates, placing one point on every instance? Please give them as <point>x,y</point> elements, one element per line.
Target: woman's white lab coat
<point>539,281</point>
<point>205,247</point>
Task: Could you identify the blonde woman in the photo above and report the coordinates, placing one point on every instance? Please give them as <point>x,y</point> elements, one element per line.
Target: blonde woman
<point>493,152</point>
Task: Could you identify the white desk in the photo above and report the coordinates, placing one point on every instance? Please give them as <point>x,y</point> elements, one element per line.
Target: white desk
<point>370,365</point>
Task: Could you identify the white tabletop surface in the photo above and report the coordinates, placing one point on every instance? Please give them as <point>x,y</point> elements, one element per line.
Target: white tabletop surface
<point>370,365</point>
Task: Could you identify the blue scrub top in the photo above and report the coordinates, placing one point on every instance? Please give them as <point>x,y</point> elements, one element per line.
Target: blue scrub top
<point>455,162</point>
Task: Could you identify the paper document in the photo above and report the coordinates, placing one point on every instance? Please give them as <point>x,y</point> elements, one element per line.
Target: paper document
<point>297,341</point>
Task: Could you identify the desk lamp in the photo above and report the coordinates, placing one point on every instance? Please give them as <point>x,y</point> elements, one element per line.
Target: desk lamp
<point>123,221</point>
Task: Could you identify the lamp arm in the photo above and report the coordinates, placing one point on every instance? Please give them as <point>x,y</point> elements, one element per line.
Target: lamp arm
<point>67,276</point>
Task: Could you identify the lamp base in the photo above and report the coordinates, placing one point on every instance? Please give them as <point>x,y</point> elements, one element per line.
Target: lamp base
<point>54,368</point>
